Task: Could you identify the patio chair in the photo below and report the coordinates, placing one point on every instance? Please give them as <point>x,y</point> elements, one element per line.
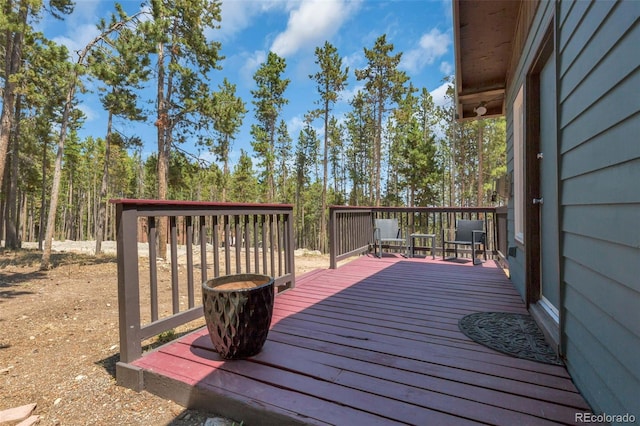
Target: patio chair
<point>467,233</point>
<point>386,231</point>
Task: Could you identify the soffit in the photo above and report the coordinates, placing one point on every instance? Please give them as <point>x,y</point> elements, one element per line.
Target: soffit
<point>483,35</point>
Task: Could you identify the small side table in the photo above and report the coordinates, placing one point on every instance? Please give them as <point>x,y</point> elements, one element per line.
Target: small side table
<point>412,238</point>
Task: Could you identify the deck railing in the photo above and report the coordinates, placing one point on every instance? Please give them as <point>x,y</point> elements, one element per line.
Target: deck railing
<point>351,228</point>
<point>204,240</point>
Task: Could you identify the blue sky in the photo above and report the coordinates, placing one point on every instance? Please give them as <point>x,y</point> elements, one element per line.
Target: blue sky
<point>422,30</point>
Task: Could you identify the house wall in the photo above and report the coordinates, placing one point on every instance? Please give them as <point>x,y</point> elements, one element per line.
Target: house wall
<point>598,80</point>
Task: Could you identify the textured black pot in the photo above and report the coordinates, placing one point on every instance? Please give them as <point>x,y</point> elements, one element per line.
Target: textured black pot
<point>238,319</point>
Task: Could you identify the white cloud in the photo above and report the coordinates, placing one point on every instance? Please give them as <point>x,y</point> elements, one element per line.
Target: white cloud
<point>251,64</point>
<point>430,47</point>
<point>89,113</point>
<point>439,95</point>
<point>77,41</point>
<point>349,93</point>
<point>295,125</point>
<point>446,68</point>
<point>238,15</point>
<point>311,22</point>
<point>354,61</point>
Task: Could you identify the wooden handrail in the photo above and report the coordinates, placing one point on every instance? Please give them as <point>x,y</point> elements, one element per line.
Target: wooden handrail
<point>351,228</point>
<point>215,230</point>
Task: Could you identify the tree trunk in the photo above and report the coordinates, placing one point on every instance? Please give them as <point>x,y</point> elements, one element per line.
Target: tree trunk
<point>225,170</point>
<point>271,191</point>
<point>32,223</point>
<point>325,177</point>
<point>23,234</point>
<point>102,198</point>
<point>43,197</point>
<point>13,60</point>
<point>11,237</point>
<point>162,123</point>
<point>55,190</point>
<point>81,207</point>
<point>3,206</point>
<point>378,152</point>
<point>67,214</point>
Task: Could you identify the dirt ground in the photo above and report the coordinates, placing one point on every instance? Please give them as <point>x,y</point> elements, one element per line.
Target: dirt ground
<point>59,342</point>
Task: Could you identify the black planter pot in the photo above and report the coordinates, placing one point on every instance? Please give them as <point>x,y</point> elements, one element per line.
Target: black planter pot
<point>238,310</point>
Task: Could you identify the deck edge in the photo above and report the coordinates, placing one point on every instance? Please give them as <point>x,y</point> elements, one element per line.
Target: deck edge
<point>221,402</point>
<point>129,376</point>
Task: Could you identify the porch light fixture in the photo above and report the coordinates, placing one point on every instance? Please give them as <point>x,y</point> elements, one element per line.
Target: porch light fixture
<point>480,110</point>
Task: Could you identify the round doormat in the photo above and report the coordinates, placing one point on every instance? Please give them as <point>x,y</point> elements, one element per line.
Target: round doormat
<point>513,334</point>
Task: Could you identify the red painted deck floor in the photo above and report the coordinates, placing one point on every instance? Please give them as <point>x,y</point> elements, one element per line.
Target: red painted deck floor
<point>375,341</point>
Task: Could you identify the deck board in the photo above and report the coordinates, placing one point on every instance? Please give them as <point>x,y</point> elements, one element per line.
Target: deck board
<point>373,342</point>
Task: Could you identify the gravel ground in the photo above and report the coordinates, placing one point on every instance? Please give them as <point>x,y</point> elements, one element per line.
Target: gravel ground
<point>59,340</point>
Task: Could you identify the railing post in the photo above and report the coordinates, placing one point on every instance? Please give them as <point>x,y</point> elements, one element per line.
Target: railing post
<point>128,288</point>
<point>290,247</point>
<point>128,297</point>
<point>333,263</point>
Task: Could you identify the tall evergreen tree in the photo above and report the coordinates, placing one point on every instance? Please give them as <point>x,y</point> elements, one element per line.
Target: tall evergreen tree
<point>359,152</point>
<point>184,57</point>
<point>244,186</point>
<point>337,159</point>
<point>66,121</point>
<point>306,159</point>
<point>122,65</point>
<point>385,84</point>
<point>268,101</point>
<point>417,151</point>
<point>331,80</point>
<point>16,27</point>
<point>229,111</point>
<point>283,153</point>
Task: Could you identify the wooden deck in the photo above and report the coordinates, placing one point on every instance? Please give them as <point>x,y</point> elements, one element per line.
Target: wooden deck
<point>375,341</point>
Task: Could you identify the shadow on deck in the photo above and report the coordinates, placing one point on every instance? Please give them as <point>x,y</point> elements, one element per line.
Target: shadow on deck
<point>375,341</point>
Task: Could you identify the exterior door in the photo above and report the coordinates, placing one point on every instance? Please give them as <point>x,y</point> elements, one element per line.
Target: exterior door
<point>549,221</point>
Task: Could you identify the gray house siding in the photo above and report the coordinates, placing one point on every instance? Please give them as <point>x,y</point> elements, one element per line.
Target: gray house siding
<point>598,81</point>
<point>599,137</point>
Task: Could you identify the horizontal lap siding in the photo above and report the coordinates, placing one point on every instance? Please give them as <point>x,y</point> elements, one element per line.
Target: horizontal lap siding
<point>599,136</point>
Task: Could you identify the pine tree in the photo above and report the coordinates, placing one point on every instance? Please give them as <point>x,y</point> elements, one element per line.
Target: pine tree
<point>67,120</point>
<point>268,101</point>
<point>283,153</point>
<point>16,28</point>
<point>359,152</point>
<point>331,79</point>
<point>184,58</point>
<point>385,85</point>
<point>122,65</point>
<point>337,160</point>
<point>244,186</point>
<point>229,111</point>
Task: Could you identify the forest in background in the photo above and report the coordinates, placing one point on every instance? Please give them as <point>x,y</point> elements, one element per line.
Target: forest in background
<point>393,148</point>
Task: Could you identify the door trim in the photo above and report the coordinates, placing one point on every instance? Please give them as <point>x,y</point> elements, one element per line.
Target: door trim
<point>549,322</point>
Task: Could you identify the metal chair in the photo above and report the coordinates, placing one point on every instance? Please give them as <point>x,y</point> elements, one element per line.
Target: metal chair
<point>467,233</point>
<point>386,231</point>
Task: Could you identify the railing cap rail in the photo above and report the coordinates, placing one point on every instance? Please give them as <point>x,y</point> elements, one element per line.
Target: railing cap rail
<point>185,203</point>
<point>414,209</point>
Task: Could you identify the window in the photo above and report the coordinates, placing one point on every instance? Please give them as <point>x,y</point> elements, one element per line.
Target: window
<point>518,166</point>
